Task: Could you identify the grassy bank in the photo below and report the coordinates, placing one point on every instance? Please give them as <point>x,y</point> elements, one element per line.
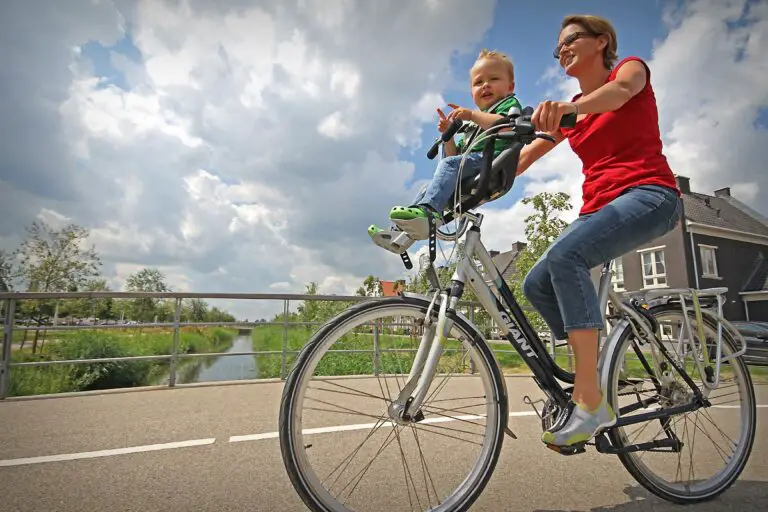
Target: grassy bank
<point>97,344</point>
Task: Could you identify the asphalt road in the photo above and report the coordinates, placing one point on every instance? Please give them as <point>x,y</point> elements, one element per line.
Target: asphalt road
<point>50,458</point>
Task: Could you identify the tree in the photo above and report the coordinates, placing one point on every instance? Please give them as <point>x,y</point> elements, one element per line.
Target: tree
<point>371,287</point>
<point>54,261</point>
<point>542,227</point>
<point>146,280</point>
<point>92,308</point>
<point>6,271</point>
<point>198,310</point>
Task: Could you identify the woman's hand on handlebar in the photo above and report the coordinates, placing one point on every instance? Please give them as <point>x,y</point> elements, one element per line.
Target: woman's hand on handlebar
<point>547,116</point>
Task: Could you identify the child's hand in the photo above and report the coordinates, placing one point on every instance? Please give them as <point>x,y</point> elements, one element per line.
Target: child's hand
<point>462,113</point>
<point>443,123</point>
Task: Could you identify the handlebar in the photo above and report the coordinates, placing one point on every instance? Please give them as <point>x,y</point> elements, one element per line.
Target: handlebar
<point>445,137</point>
<point>520,131</point>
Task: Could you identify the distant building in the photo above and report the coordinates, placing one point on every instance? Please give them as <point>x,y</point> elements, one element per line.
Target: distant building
<point>392,288</point>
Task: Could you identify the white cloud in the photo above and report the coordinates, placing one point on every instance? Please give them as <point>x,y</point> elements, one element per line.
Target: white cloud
<point>247,149</point>
<point>334,126</point>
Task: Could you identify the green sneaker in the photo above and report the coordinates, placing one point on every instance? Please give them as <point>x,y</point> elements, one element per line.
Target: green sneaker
<point>393,240</point>
<point>580,425</point>
<point>413,220</point>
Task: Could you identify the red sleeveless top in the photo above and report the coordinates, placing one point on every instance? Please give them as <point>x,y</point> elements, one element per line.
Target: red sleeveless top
<point>620,149</point>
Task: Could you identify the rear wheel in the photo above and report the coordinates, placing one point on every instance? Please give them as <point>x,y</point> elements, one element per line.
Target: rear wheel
<point>441,461</point>
<point>716,440</point>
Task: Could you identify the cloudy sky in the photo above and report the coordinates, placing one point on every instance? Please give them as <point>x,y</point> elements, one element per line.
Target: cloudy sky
<point>247,148</point>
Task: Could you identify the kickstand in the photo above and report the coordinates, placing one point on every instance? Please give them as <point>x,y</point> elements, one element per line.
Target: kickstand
<point>527,400</point>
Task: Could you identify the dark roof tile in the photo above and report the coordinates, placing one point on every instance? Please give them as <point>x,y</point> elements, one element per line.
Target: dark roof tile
<point>716,211</point>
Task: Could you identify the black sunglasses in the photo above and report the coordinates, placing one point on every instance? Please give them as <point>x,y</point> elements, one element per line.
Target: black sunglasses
<point>570,40</point>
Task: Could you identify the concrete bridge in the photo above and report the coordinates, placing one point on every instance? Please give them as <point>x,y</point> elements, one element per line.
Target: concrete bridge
<point>215,448</point>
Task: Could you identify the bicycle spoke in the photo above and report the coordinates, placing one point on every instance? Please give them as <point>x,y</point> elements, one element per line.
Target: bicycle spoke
<point>349,411</point>
<point>691,474</point>
<point>432,425</point>
<point>425,469</point>
<point>458,419</point>
<point>348,458</point>
<point>407,473</point>
<point>362,472</point>
<point>420,426</point>
<point>351,392</point>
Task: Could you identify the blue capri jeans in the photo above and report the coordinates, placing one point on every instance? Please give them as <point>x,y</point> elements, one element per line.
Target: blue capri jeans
<point>559,285</point>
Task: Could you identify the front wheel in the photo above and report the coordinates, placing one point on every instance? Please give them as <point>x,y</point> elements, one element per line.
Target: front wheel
<point>344,451</point>
<point>716,440</point>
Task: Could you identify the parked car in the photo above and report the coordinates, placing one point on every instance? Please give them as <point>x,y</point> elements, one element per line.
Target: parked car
<point>756,336</point>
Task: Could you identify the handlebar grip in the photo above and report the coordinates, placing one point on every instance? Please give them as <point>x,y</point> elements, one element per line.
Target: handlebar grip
<point>451,131</point>
<point>432,153</point>
<point>444,137</point>
<point>568,121</point>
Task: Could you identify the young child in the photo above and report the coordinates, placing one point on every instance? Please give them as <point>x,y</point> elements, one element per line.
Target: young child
<point>492,82</point>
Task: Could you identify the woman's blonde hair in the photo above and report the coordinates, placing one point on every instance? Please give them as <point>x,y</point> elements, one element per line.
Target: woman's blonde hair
<point>495,54</point>
<point>597,26</point>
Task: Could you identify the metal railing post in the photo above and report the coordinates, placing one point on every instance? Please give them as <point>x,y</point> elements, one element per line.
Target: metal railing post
<point>376,353</point>
<point>472,319</point>
<point>5,369</point>
<point>283,363</point>
<point>175,348</point>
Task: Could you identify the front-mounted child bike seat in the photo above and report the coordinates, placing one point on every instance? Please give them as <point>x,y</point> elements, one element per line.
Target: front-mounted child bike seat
<point>497,175</point>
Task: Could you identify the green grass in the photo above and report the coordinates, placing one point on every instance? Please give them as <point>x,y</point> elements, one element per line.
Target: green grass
<point>270,338</point>
<point>97,344</point>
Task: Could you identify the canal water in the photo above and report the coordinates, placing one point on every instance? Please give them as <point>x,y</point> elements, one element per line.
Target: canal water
<point>219,368</point>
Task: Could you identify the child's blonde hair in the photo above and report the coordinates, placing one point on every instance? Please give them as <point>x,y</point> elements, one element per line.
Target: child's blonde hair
<point>501,56</point>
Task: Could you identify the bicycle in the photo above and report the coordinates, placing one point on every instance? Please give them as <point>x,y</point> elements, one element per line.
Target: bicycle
<point>647,328</point>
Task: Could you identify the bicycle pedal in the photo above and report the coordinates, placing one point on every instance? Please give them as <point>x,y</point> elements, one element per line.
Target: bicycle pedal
<point>568,450</point>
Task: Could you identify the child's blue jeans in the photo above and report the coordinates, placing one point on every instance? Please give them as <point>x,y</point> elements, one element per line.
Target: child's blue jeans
<point>443,183</point>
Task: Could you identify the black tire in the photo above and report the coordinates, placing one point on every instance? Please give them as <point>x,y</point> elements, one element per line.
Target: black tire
<point>628,459</point>
<point>472,487</point>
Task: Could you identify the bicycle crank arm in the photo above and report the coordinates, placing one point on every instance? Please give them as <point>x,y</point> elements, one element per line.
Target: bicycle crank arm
<point>603,445</point>
<point>660,414</point>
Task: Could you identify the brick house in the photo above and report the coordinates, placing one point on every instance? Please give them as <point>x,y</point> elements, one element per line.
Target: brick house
<point>720,242</point>
<point>391,288</point>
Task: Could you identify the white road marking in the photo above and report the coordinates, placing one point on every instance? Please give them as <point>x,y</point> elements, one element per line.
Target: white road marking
<point>234,439</point>
<point>735,406</point>
<point>361,426</point>
<point>106,453</point>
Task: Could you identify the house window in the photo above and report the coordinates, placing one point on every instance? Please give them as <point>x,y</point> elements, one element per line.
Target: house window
<point>617,269</point>
<point>654,269</point>
<point>708,261</point>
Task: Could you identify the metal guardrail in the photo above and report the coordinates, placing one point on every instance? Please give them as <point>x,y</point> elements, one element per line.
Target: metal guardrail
<point>9,300</point>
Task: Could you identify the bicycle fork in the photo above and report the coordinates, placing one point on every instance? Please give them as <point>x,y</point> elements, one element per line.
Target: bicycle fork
<point>426,361</point>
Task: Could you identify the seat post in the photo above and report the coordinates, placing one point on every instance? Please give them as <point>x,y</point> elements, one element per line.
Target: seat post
<point>604,287</point>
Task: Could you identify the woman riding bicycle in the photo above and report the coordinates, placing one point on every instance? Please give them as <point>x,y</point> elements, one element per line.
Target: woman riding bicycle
<point>630,197</point>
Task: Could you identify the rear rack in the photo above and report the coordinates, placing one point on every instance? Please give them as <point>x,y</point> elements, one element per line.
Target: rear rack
<point>694,296</point>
